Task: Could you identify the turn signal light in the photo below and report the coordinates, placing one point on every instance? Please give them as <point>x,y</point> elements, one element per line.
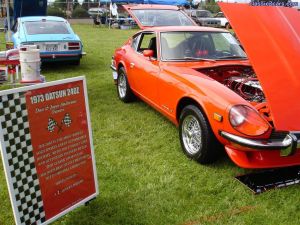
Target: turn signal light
<point>247,120</point>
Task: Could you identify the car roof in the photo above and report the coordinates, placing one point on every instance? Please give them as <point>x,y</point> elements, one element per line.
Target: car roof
<point>39,18</point>
<point>184,28</point>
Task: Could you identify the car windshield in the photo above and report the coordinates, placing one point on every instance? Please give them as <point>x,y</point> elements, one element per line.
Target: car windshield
<point>162,17</point>
<point>46,27</point>
<point>203,14</point>
<point>199,46</point>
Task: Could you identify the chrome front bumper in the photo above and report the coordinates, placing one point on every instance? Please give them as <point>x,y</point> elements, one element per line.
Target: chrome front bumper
<point>114,73</point>
<point>287,145</point>
<point>113,68</point>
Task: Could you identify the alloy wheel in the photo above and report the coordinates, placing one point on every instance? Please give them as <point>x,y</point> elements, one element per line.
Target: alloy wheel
<point>191,134</point>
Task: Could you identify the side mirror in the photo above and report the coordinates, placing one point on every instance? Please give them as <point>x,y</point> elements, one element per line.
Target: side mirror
<point>148,53</point>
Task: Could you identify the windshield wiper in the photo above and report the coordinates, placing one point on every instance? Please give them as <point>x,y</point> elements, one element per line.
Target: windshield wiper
<point>201,59</point>
<point>232,57</point>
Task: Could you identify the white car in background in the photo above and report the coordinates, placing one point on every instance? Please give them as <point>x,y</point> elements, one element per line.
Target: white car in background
<point>97,11</point>
<point>223,19</point>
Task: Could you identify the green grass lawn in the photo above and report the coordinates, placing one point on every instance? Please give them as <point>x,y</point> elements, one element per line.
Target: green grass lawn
<point>144,177</point>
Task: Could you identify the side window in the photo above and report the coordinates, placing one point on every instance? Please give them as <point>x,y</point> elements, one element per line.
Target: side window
<point>193,13</point>
<point>135,41</point>
<point>148,41</point>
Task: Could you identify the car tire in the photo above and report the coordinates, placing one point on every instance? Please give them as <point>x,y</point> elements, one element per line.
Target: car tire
<point>124,91</point>
<point>197,140</point>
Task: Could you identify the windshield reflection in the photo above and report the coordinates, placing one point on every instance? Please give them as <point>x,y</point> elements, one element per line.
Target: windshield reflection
<point>200,46</point>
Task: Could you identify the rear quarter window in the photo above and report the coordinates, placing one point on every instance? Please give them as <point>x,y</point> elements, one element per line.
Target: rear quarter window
<point>135,41</point>
<point>146,41</point>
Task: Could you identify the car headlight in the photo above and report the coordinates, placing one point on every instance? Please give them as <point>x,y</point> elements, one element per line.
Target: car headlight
<point>247,120</point>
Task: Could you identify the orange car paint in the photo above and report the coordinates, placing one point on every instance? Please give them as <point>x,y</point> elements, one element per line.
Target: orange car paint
<point>164,85</point>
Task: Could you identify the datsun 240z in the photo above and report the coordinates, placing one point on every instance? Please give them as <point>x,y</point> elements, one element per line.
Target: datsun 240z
<point>204,82</point>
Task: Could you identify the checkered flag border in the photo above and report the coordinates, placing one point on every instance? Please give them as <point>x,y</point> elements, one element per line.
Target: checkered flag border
<point>19,153</point>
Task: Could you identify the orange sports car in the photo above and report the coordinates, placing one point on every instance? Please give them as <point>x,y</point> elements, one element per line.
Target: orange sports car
<point>204,82</point>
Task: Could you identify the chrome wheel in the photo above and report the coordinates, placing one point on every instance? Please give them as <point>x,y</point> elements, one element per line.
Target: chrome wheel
<point>197,139</point>
<point>122,85</point>
<point>191,134</point>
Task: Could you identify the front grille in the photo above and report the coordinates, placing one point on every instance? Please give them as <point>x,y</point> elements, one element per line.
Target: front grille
<point>297,135</point>
<point>212,23</point>
<point>278,135</point>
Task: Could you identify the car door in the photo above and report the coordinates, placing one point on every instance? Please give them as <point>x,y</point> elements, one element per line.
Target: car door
<point>170,89</point>
<point>143,71</point>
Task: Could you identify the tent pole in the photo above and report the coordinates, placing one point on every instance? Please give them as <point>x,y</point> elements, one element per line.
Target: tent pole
<point>109,15</point>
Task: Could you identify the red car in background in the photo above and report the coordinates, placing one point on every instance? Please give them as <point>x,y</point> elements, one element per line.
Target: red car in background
<point>202,80</point>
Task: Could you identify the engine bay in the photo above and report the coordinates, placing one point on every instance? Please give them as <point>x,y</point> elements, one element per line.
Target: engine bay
<point>243,81</point>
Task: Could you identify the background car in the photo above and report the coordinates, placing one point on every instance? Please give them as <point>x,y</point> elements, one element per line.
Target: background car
<point>97,11</point>
<point>223,20</point>
<point>203,18</point>
<point>52,35</point>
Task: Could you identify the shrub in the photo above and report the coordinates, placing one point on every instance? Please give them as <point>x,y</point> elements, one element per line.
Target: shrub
<point>212,7</point>
<point>54,11</point>
<point>79,12</point>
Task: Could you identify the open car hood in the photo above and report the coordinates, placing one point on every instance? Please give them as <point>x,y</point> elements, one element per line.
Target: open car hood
<point>271,38</point>
<point>158,15</point>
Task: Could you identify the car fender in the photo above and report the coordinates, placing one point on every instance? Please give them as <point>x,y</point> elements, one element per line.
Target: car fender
<point>207,109</point>
<point>193,85</point>
<point>214,99</point>
<point>120,60</point>
<point>77,37</point>
<point>19,36</point>
<point>120,64</point>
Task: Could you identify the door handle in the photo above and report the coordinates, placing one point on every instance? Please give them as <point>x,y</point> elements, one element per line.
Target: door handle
<point>132,65</point>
